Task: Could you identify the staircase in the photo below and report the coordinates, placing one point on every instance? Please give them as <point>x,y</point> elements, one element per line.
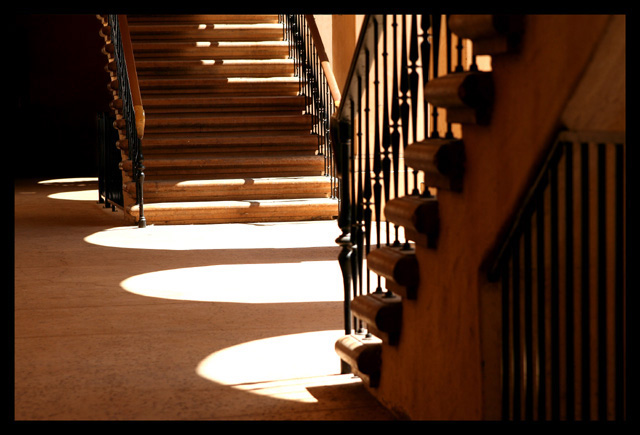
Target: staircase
<point>465,96</point>
<point>227,135</point>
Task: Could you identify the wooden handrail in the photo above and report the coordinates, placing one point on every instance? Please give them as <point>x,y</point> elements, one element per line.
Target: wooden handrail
<point>324,59</point>
<point>133,75</point>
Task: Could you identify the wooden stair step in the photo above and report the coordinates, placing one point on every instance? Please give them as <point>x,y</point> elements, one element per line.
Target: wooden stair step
<point>282,210</point>
<point>441,160</point>
<point>232,104</point>
<point>228,143</point>
<point>215,68</point>
<point>204,18</point>
<point>418,215</point>
<point>364,356</point>
<point>382,314</point>
<point>185,123</point>
<point>203,31</point>
<point>398,266</point>
<point>221,86</point>
<point>212,50</point>
<point>234,189</point>
<point>231,167</point>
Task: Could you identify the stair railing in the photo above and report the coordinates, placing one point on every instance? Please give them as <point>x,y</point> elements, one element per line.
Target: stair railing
<point>109,173</point>
<point>130,105</point>
<point>317,83</point>
<point>383,111</point>
<point>562,269</point>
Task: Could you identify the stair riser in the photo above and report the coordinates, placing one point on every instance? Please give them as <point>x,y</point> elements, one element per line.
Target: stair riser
<point>204,70</point>
<point>203,19</point>
<point>213,51</point>
<point>228,89</point>
<point>220,124</point>
<point>191,33</point>
<point>182,216</point>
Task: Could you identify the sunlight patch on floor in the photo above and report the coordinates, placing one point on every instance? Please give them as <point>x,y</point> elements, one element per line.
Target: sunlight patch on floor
<point>80,195</point>
<point>220,236</point>
<point>283,367</point>
<point>316,281</point>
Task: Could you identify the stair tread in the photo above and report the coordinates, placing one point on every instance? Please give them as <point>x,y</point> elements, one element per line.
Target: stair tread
<point>227,138</point>
<point>204,18</point>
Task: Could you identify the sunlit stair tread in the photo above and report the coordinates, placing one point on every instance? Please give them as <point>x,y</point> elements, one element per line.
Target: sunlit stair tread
<point>238,162</point>
<point>204,18</point>
<point>198,31</point>
<point>235,189</point>
<point>202,122</point>
<point>212,49</point>
<point>215,67</point>
<point>273,210</point>
<point>234,103</point>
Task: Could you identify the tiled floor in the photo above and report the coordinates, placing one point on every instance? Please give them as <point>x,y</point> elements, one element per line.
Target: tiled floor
<point>204,322</point>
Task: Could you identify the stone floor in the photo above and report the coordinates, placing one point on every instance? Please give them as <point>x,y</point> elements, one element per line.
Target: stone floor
<point>196,322</point>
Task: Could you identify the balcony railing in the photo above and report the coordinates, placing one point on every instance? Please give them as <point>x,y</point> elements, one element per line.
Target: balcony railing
<point>562,272</point>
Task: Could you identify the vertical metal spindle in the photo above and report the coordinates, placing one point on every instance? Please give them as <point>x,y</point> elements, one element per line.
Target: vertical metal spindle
<point>413,85</point>
<point>425,51</point>
<point>386,137</point>
<point>435,35</point>
<point>448,48</point>
<point>377,158</point>
<point>602,284</point>
<point>507,351</point>
<point>619,310</point>
<point>404,106</point>
<point>528,326</point>
<point>367,190</point>
<point>555,295</point>
<point>515,329</point>
<point>395,121</point>
<point>359,222</point>
<point>569,284</point>
<point>585,293</point>
<point>541,302</point>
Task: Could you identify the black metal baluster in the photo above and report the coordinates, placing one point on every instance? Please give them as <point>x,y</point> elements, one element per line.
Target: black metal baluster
<point>541,299</point>
<point>395,118</point>
<point>602,284</point>
<point>528,326</point>
<point>367,190</point>
<point>413,86</point>
<point>377,158</point>
<point>448,48</point>
<point>515,327</point>
<point>359,210</point>
<point>619,309</point>
<point>386,136</point>
<point>585,302</point>
<point>435,31</point>
<point>555,296</point>
<point>507,358</point>
<point>425,51</point>
<point>404,107</point>
<point>569,283</point>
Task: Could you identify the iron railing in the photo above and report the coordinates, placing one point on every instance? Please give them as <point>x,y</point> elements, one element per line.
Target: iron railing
<point>562,270</point>
<point>383,111</point>
<point>109,158</point>
<point>316,81</point>
<point>134,145</point>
